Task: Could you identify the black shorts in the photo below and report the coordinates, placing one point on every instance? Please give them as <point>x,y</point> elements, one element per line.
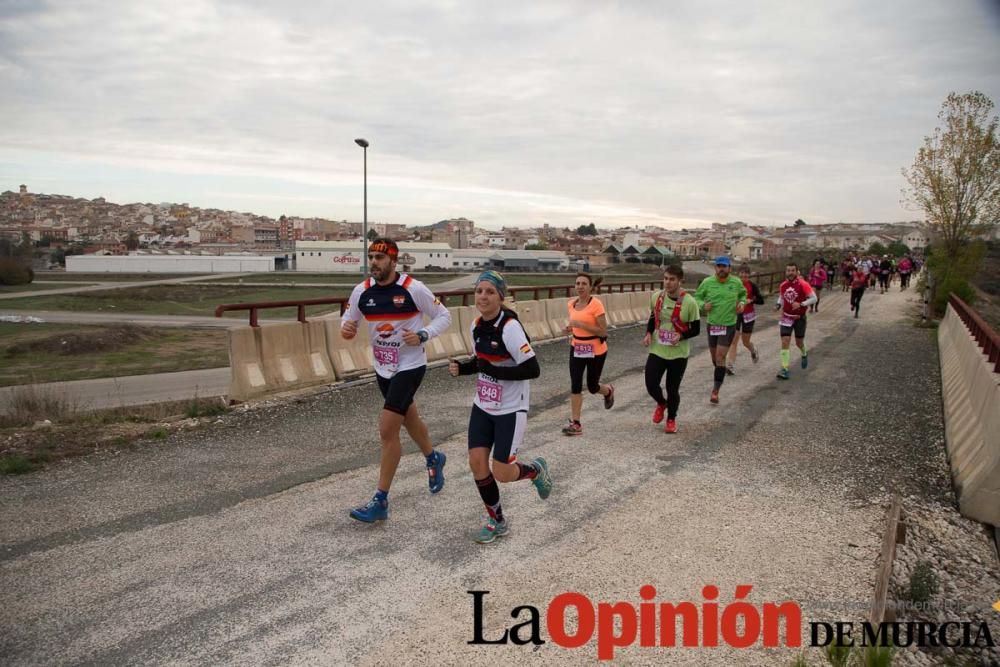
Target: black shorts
<point>503,433</point>
<point>745,327</point>
<point>725,339</point>
<point>399,390</point>
<point>798,327</point>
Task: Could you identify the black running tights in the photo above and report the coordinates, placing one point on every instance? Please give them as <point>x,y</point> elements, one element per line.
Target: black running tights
<point>674,369</point>
<point>856,294</point>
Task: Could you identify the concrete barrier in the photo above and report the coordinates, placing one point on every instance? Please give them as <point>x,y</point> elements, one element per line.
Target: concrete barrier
<point>247,379</point>
<point>618,309</point>
<point>534,319</point>
<point>640,302</point>
<point>971,395</point>
<point>350,358</point>
<point>294,355</point>
<point>636,306</point>
<point>466,316</point>
<point>451,343</point>
<point>557,315</point>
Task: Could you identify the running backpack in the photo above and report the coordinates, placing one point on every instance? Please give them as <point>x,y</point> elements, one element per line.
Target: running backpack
<point>675,316</point>
<point>510,315</point>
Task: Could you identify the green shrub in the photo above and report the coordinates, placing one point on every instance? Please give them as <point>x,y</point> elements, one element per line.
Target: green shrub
<point>952,274</point>
<point>923,583</point>
<point>15,465</point>
<point>956,284</point>
<point>838,655</point>
<point>877,656</point>
<point>14,272</point>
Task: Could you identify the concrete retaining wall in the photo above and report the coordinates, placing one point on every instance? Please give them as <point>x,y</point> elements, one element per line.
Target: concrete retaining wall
<point>971,393</point>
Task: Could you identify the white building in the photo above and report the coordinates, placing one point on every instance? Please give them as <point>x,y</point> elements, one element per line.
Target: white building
<point>345,256</point>
<point>914,238</point>
<point>169,263</point>
<point>476,259</point>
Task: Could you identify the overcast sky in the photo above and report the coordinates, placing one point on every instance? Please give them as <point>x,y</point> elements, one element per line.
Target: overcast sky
<point>512,113</point>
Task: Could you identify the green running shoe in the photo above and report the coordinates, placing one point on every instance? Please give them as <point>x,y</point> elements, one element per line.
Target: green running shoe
<point>491,531</point>
<point>542,481</point>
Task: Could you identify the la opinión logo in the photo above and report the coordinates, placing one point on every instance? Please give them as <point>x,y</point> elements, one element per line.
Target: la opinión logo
<point>619,624</point>
<point>706,624</point>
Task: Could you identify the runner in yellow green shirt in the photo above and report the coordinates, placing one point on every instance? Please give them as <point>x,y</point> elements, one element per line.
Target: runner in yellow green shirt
<point>720,298</point>
<point>673,320</point>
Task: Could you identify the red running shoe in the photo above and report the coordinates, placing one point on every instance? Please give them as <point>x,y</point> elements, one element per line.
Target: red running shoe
<point>671,426</point>
<point>658,413</point>
<point>714,398</point>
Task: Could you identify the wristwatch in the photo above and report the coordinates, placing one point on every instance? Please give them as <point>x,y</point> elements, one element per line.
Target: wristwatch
<point>422,335</point>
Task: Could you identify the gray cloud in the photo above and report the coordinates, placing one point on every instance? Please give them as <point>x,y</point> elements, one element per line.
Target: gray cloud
<point>709,111</point>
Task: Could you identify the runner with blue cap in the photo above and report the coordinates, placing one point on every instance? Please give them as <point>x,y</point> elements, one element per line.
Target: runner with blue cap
<point>720,298</point>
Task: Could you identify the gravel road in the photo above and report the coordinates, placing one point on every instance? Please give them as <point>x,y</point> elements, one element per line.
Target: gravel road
<point>232,543</point>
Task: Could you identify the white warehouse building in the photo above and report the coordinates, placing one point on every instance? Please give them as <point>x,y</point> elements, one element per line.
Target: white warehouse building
<point>169,263</point>
<point>345,256</point>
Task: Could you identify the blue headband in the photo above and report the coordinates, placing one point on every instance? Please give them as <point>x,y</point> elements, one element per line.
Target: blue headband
<point>496,279</point>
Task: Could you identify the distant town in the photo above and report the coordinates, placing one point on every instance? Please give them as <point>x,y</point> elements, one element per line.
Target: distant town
<point>96,228</point>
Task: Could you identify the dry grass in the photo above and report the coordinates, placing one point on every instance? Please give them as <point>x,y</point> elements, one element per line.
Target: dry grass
<point>28,442</point>
<point>30,404</point>
<point>59,352</point>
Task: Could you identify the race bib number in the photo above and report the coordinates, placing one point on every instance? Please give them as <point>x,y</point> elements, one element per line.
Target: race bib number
<point>786,321</point>
<point>489,392</point>
<point>749,317</point>
<point>583,351</point>
<point>717,329</point>
<point>386,356</point>
<point>669,337</point>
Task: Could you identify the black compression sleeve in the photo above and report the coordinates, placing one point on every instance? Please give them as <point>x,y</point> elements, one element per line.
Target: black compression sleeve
<point>694,328</point>
<point>651,324</point>
<point>468,367</point>
<point>526,370</point>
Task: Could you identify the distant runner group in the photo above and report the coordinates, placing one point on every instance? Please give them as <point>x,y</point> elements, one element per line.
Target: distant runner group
<point>394,304</point>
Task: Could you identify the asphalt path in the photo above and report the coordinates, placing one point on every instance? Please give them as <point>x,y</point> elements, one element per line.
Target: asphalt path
<point>232,544</point>
<point>105,393</point>
<point>126,285</point>
<point>168,321</point>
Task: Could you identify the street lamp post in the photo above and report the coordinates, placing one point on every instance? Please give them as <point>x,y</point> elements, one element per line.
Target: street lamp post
<point>364,235</point>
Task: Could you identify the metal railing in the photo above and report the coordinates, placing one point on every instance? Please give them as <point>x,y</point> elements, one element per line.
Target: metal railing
<point>774,280</point>
<point>552,291</point>
<point>985,336</point>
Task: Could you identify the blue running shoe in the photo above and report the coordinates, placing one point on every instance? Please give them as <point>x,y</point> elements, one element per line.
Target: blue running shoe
<point>543,480</point>
<point>783,374</point>
<point>805,361</point>
<point>492,530</point>
<point>435,472</point>
<point>372,512</point>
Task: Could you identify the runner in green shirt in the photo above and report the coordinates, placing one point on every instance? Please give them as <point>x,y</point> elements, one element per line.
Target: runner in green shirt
<point>673,319</point>
<point>721,298</point>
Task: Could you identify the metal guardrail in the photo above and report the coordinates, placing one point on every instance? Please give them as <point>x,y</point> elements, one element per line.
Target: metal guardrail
<point>774,280</point>
<point>985,336</point>
<point>552,292</point>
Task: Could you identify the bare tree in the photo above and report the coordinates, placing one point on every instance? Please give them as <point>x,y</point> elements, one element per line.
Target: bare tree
<point>955,177</point>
